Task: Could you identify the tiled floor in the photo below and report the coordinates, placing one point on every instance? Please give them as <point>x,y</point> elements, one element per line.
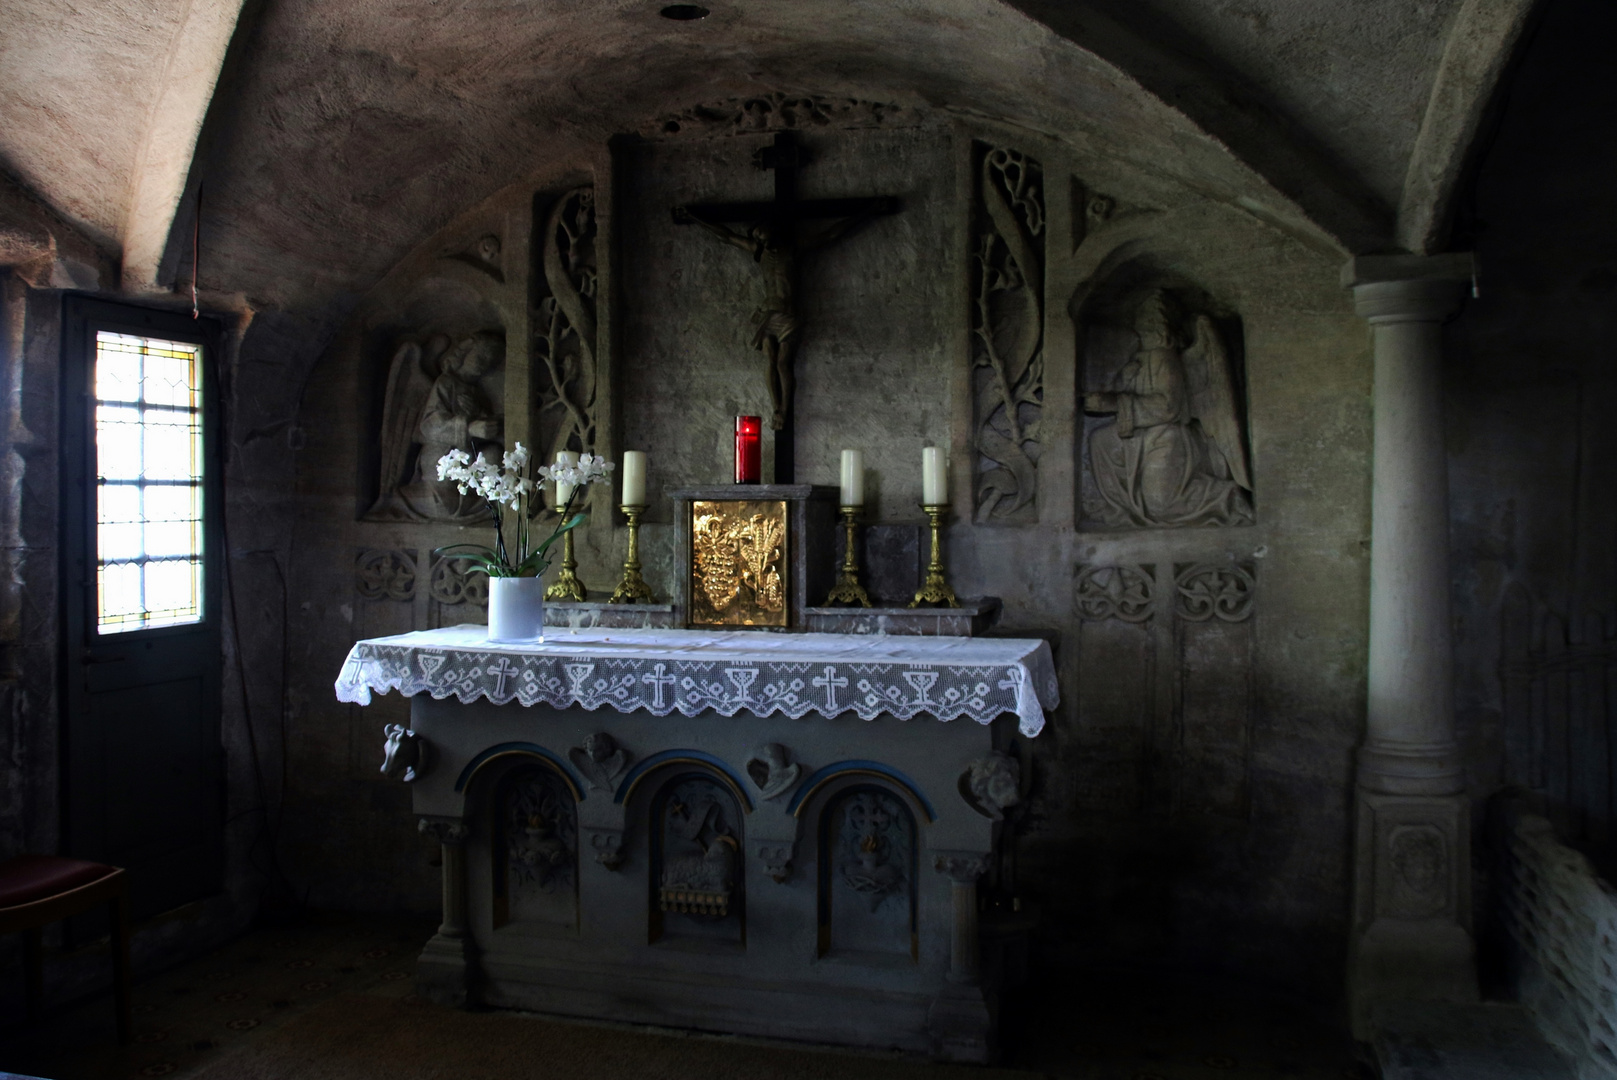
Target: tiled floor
<point>227,1007</point>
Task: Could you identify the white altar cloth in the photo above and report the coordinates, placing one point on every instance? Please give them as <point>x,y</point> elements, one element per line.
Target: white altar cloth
<point>694,671</point>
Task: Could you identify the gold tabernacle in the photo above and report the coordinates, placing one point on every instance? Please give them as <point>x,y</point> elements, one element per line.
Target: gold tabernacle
<point>738,563</point>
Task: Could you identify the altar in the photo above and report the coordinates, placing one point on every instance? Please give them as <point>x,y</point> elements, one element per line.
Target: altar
<point>769,834</point>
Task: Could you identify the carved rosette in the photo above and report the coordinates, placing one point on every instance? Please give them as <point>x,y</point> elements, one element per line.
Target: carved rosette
<point>451,584</point>
<point>1127,593</point>
<point>1007,334</point>
<point>381,574</point>
<point>1206,591</point>
<point>608,846</point>
<point>564,342</point>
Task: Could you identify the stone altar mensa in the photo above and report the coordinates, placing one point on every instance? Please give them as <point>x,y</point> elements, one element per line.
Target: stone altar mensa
<point>727,831</point>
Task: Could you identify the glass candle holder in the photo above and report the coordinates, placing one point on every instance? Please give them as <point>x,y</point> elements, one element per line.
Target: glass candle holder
<point>749,455</point>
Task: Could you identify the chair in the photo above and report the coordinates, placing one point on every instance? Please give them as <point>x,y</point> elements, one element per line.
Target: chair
<point>36,890</point>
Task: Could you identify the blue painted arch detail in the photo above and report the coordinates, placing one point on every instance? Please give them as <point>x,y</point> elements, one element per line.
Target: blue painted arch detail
<point>677,757</point>
<point>825,775</point>
<point>522,749</point>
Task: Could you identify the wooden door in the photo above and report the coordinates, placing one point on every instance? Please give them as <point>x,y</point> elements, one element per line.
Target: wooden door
<point>141,545</point>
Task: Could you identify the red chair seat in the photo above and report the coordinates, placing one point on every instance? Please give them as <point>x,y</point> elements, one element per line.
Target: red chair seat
<point>28,878</point>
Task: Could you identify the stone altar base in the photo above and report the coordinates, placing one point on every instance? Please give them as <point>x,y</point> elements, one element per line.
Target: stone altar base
<point>806,879</point>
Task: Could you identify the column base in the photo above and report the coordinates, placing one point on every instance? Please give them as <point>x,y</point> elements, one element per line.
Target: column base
<point>444,974</point>
<point>1411,903</point>
<point>961,1023</point>
<point>1401,961</point>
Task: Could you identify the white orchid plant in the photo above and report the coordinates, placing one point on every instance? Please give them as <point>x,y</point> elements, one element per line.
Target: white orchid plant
<point>511,490</point>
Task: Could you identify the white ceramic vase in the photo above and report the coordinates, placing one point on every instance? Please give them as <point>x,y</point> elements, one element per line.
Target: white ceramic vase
<point>516,609</point>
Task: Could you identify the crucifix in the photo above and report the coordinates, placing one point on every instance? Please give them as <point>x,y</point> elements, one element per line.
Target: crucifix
<point>774,241</point>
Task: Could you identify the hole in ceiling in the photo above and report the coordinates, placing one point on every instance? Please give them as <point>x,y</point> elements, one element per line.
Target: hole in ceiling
<point>684,12</point>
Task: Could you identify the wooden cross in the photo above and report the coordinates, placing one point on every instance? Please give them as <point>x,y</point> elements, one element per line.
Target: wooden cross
<point>775,245</point>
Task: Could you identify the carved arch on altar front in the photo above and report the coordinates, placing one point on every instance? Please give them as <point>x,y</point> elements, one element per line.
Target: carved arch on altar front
<point>721,769</point>
<point>520,749</point>
<point>843,770</point>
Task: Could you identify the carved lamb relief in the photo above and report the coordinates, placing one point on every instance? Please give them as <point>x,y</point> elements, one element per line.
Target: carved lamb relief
<point>1165,443</point>
<point>1007,331</point>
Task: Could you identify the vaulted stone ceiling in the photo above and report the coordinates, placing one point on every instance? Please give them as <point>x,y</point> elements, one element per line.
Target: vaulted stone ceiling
<point>342,132</point>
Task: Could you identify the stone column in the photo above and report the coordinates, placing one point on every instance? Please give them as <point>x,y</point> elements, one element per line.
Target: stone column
<point>960,1021</point>
<point>1411,909</point>
<point>444,973</point>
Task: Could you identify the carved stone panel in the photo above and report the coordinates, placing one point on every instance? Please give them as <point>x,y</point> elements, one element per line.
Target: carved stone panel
<point>535,849</point>
<point>382,574</point>
<point>442,394</point>
<point>867,873</point>
<point>698,887</point>
<point>564,339</point>
<point>1007,334</point>
<point>1165,442</point>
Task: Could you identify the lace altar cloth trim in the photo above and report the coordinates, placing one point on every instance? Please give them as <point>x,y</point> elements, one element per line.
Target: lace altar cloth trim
<point>695,671</point>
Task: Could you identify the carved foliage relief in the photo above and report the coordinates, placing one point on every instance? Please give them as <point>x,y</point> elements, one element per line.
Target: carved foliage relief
<point>1007,333</point>
<point>564,341</point>
<point>535,849</point>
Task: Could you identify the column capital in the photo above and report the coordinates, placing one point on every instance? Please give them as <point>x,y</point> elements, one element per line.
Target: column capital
<point>446,830</point>
<point>1408,288</point>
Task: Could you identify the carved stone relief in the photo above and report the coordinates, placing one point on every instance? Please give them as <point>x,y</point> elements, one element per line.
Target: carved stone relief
<point>442,395</point>
<point>536,848</point>
<point>698,865</point>
<point>600,761</point>
<point>1170,449</point>
<point>564,341</point>
<point>484,256</point>
<point>1221,591</point>
<point>380,574</point>
<point>1213,590</point>
<point>452,584</point>
<point>991,784</point>
<point>776,111</point>
<point>1007,330</point>
<point>1418,855</point>
<point>1115,592</point>
<point>405,755</point>
<point>868,851</point>
<point>770,773</point>
<point>391,574</point>
<point>608,846</point>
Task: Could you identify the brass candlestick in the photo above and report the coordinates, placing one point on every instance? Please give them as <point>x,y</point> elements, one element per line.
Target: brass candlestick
<point>936,592</point>
<point>633,588</point>
<point>848,592</point>
<point>566,586</point>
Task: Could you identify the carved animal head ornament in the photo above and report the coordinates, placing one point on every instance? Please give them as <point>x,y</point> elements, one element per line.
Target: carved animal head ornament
<point>991,784</point>
<point>404,754</point>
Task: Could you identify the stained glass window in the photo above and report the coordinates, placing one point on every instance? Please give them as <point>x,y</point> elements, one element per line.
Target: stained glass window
<point>148,448</point>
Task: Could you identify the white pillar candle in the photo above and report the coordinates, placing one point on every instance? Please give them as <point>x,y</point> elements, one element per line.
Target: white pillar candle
<point>853,478</point>
<point>934,477</point>
<point>564,491</point>
<point>634,478</point>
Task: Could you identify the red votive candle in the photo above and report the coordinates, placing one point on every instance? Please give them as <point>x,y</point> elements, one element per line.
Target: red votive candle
<point>749,458</point>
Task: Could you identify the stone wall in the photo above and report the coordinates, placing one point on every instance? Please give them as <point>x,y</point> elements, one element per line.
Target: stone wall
<point>1558,919</point>
<point>1189,803</point>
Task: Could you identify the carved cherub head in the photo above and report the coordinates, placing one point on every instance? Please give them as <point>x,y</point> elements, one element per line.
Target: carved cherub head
<point>600,746</point>
<point>993,783</point>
